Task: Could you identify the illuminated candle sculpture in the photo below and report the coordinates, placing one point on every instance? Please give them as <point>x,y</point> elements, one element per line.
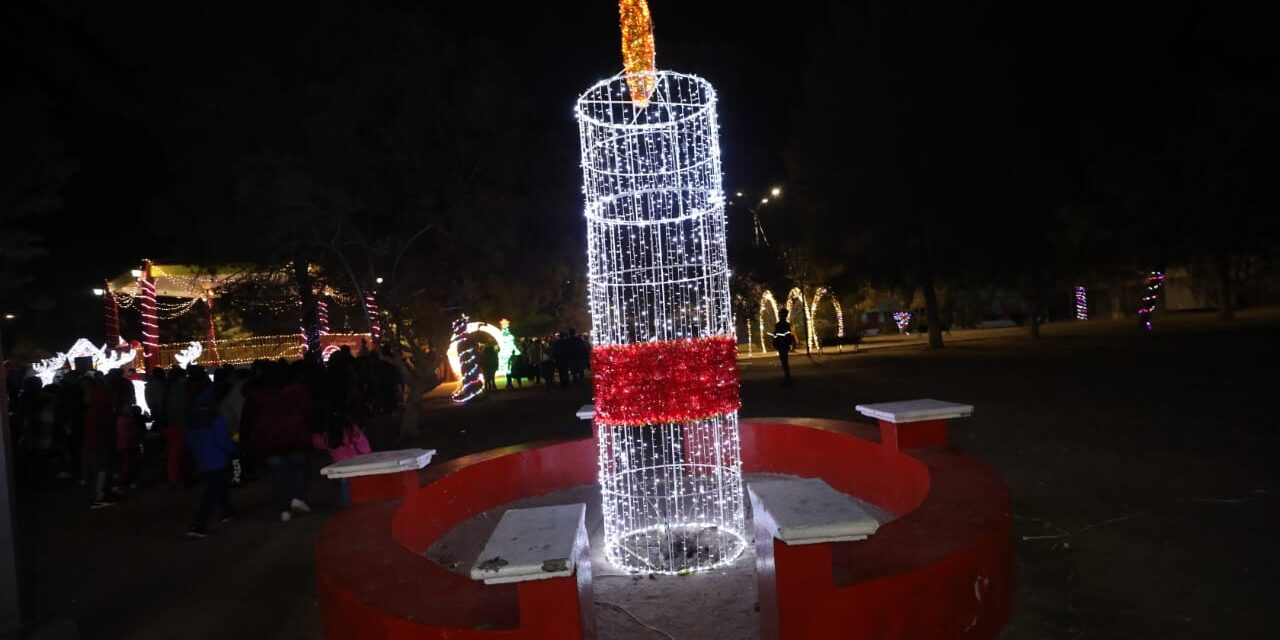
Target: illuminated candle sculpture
<point>664,360</point>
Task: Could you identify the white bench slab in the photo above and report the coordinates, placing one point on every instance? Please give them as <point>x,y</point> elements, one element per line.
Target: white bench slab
<point>533,544</point>
<point>380,463</point>
<point>915,410</point>
<point>809,511</point>
<point>586,412</point>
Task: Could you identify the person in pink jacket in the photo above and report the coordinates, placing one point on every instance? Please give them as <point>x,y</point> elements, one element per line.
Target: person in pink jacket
<point>343,439</point>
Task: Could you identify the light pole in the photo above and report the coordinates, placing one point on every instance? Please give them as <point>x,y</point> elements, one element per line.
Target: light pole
<point>10,610</point>
<point>760,239</point>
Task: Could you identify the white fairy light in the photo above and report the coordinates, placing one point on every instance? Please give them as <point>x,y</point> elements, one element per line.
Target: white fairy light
<point>767,299</point>
<point>103,359</point>
<point>48,368</point>
<point>820,293</point>
<point>672,492</point>
<point>189,355</point>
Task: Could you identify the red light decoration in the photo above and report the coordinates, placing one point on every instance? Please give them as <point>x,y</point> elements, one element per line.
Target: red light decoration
<point>660,382</point>
<point>150,325</point>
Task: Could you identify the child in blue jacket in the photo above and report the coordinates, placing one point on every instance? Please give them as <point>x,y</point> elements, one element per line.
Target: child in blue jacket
<point>209,441</point>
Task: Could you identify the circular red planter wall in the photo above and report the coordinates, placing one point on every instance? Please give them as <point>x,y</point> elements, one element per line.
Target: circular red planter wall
<point>942,569</point>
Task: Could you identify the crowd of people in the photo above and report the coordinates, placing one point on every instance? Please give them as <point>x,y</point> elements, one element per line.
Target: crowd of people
<point>538,361</point>
<point>217,428</point>
<point>221,428</point>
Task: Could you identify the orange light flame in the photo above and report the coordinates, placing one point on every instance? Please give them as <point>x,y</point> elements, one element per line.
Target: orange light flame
<point>638,57</point>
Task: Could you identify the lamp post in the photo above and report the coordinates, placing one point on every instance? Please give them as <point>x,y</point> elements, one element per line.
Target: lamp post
<point>10,610</point>
<point>774,193</point>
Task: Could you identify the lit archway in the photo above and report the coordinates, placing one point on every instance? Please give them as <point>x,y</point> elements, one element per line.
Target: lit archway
<point>766,299</point>
<point>454,363</point>
<point>797,295</point>
<point>818,295</point>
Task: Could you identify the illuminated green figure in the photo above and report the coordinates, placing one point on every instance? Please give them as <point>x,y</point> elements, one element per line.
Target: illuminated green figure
<point>506,348</point>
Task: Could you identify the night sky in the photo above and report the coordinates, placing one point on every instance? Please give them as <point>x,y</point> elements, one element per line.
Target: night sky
<point>154,101</point>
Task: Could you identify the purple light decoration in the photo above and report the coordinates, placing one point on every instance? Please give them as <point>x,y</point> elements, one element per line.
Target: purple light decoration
<point>1082,304</point>
<point>1155,282</point>
<point>903,318</point>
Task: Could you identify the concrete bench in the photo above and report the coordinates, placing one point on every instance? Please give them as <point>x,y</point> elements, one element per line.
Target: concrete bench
<point>796,522</point>
<point>541,550</point>
<point>927,417</point>
<point>381,475</point>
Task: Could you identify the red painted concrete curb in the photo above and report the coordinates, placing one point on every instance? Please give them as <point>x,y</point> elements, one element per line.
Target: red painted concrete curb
<point>943,569</point>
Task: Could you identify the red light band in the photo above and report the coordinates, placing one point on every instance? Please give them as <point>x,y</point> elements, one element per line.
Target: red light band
<point>659,382</point>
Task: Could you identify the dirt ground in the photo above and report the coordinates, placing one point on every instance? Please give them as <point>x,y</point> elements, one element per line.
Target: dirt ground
<point>1142,469</point>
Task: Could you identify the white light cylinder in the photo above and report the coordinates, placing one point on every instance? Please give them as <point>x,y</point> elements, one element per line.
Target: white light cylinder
<point>659,272</point>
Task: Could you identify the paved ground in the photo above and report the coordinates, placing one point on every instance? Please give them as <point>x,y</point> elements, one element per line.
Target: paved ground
<point>1142,468</point>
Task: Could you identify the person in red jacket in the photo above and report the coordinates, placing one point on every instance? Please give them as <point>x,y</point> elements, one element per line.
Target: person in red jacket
<point>99,440</point>
<point>278,417</point>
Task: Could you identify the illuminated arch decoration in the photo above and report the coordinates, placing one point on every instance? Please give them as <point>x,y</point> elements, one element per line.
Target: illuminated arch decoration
<point>455,362</point>
<point>797,295</point>
<point>767,301</point>
<point>665,355</point>
<point>814,341</point>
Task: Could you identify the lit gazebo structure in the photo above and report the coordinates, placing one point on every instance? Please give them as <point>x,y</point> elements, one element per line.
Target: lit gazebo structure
<point>167,290</point>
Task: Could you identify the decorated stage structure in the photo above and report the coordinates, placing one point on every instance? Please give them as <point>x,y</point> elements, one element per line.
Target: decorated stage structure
<point>668,454</point>
<point>165,292</point>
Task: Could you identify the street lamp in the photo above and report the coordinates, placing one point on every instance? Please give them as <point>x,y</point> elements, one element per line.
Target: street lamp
<point>378,280</point>
<point>9,316</point>
<point>137,273</point>
<point>99,291</point>
<point>776,191</point>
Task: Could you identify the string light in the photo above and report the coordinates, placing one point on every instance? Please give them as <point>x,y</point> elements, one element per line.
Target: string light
<point>664,358</point>
<point>322,315</point>
<point>190,354</point>
<point>455,361</point>
<point>471,385</point>
<point>818,295</point>
<point>1082,304</point>
<point>47,369</point>
<point>796,295</point>
<point>104,359</point>
<point>150,326</point>
<point>903,320</point>
<point>810,308</point>
<point>375,318</point>
<point>1155,282</point>
<point>506,348</point>
<point>767,299</point>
